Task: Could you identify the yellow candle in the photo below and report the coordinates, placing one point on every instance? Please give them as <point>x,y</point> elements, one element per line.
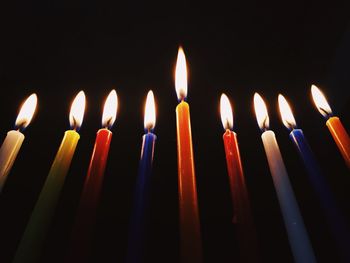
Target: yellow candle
<point>14,139</point>
<point>336,128</point>
<point>190,237</point>
<point>34,236</point>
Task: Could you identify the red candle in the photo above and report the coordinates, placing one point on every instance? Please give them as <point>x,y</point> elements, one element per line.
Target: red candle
<point>242,215</point>
<point>86,214</point>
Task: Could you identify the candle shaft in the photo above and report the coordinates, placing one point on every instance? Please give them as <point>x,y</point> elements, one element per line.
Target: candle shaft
<point>335,219</point>
<point>86,214</point>
<point>35,233</point>
<point>8,154</point>
<point>137,232</point>
<point>190,237</point>
<point>242,217</point>
<point>341,137</point>
<point>296,231</point>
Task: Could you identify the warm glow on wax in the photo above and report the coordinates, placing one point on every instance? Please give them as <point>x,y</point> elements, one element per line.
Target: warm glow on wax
<point>181,75</point>
<point>27,111</point>
<point>321,102</point>
<point>261,112</point>
<point>286,113</point>
<point>110,109</point>
<point>150,112</point>
<point>226,112</point>
<point>77,111</point>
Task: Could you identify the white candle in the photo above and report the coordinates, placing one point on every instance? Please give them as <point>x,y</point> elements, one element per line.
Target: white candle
<point>14,138</point>
<point>273,154</point>
<point>296,231</point>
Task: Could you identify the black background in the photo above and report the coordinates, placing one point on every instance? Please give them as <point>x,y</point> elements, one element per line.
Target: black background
<point>57,48</point>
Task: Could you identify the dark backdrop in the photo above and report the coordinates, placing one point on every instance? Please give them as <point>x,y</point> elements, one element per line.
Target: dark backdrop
<point>57,48</point>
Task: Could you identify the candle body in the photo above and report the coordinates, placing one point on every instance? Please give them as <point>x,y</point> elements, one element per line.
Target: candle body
<point>242,216</point>
<point>141,203</point>
<point>335,219</point>
<point>8,154</point>
<point>86,214</point>
<point>190,237</point>
<point>305,152</point>
<point>296,231</point>
<point>341,137</point>
<point>34,236</point>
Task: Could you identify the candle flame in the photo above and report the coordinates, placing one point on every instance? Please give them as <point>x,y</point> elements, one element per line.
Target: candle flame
<point>110,110</point>
<point>77,109</point>
<point>26,113</point>
<point>150,112</point>
<point>286,113</point>
<point>261,112</point>
<point>321,101</point>
<point>226,112</point>
<point>181,75</point>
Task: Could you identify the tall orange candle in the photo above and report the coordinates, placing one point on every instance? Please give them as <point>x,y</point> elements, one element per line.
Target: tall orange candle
<point>242,214</point>
<point>190,236</point>
<point>336,128</point>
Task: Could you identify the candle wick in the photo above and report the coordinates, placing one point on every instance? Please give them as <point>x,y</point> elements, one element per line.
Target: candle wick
<point>108,123</point>
<point>290,125</point>
<point>264,124</point>
<point>74,124</point>
<point>325,112</point>
<point>20,126</point>
<point>227,125</point>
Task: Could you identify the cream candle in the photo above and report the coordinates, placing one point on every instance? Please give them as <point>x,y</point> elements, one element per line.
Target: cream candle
<point>15,138</point>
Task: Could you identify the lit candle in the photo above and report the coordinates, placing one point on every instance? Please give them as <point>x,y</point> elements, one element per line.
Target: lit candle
<point>35,233</point>
<point>190,236</point>
<point>336,128</point>
<point>242,217</point>
<point>296,231</point>
<point>143,186</point>
<point>335,220</point>
<point>14,138</point>
<point>86,214</point>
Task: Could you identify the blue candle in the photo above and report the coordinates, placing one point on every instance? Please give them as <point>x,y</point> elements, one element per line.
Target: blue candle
<point>137,232</point>
<point>307,156</point>
<point>335,220</point>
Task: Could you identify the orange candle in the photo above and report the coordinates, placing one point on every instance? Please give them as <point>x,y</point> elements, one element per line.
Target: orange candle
<point>190,237</point>
<point>242,214</point>
<point>336,128</point>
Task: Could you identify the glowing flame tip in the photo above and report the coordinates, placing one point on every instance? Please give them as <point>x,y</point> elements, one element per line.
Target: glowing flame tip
<point>181,75</point>
<point>150,112</point>
<point>262,116</point>
<point>286,113</point>
<point>321,101</point>
<point>77,109</point>
<point>26,112</point>
<point>110,110</point>
<point>226,112</point>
